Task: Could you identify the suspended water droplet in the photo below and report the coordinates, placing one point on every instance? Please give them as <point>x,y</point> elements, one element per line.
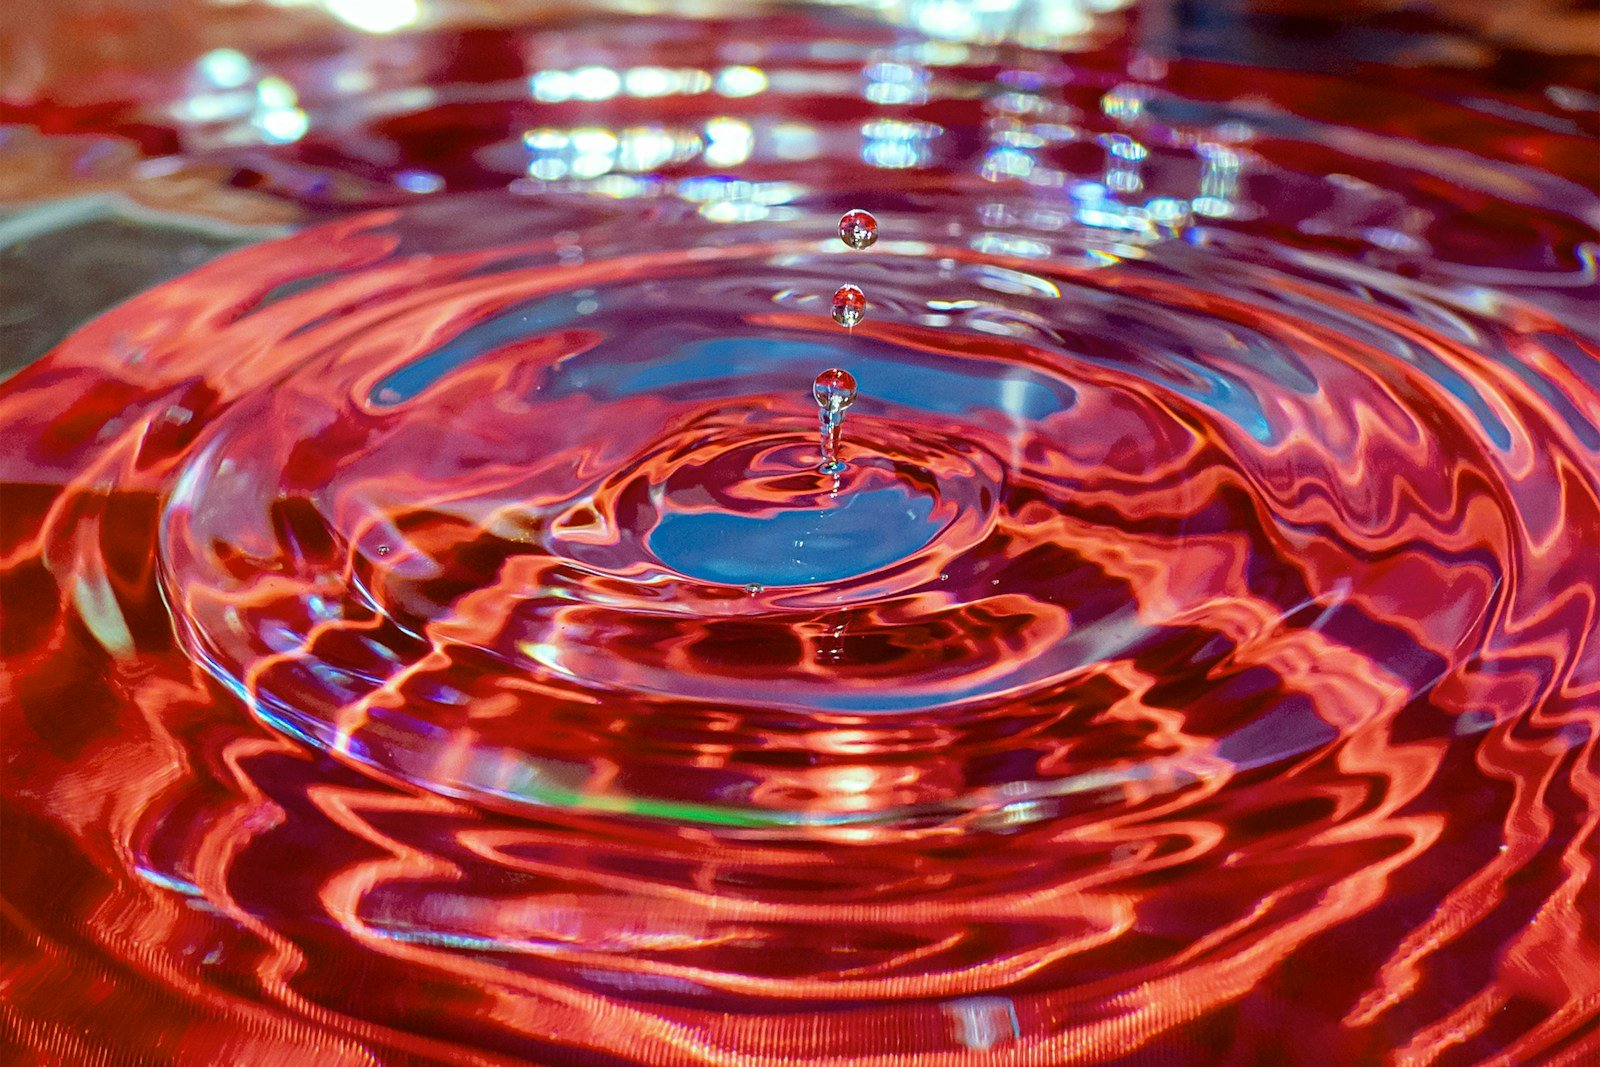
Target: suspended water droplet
<point>849,306</point>
<point>754,589</point>
<point>383,550</point>
<point>858,229</point>
<point>834,390</point>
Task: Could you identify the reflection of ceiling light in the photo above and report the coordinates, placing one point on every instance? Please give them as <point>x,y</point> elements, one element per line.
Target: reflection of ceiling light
<point>419,181</point>
<point>1035,23</point>
<point>275,92</point>
<point>277,113</point>
<point>649,81</point>
<point>741,81</point>
<point>551,86</point>
<point>728,142</point>
<point>282,125</point>
<point>896,83</point>
<point>645,148</point>
<point>896,145</point>
<point>595,83</point>
<point>376,16</point>
<point>224,68</point>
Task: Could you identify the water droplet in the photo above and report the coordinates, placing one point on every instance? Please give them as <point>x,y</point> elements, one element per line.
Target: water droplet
<point>834,389</point>
<point>858,229</point>
<point>849,306</point>
<point>383,550</point>
<point>754,589</point>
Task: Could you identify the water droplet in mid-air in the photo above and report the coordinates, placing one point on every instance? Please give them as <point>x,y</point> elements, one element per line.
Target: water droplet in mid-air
<point>849,305</point>
<point>858,229</point>
<point>834,390</point>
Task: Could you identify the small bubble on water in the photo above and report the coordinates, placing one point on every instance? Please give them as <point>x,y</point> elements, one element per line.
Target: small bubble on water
<point>834,389</point>
<point>858,229</point>
<point>849,306</point>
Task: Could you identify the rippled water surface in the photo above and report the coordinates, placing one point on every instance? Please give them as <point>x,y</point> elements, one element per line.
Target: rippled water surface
<point>429,638</point>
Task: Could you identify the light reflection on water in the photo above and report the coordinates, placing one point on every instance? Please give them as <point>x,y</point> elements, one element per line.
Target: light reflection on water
<point>435,637</point>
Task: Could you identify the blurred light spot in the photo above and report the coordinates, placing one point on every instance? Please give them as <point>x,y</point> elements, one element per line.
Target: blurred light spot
<point>594,152</point>
<point>1055,22</point>
<point>1002,163</point>
<point>354,80</point>
<point>1167,209</point>
<point>224,68</point>
<point>896,145</point>
<point>896,83</point>
<point>1049,24</point>
<point>1018,137</point>
<point>97,606</point>
<point>276,93</point>
<point>282,125</point>
<point>1014,282</point>
<point>708,190</point>
<point>983,1022</point>
<point>1004,244</point>
<point>545,140</point>
<point>595,83</point>
<point>1123,158</point>
<point>741,81</point>
<point>1125,103</point>
<point>544,653</point>
<point>215,107</point>
<point>1219,180</point>
<point>419,181</point>
<point>650,82</point>
<point>951,19</point>
<point>376,16</point>
<point>551,86</point>
<point>729,142</point>
<point>1019,103</point>
<point>938,53</point>
<point>734,211</point>
<point>1122,146</point>
<point>622,186</point>
<point>854,780</point>
<point>1393,240</point>
<point>645,148</point>
<point>1570,99</point>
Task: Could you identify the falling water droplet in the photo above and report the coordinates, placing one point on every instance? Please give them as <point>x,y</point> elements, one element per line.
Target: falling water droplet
<point>858,229</point>
<point>834,390</point>
<point>849,305</point>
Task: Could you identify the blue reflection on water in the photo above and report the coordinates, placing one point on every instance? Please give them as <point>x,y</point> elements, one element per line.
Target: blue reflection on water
<point>864,531</point>
<point>931,383</point>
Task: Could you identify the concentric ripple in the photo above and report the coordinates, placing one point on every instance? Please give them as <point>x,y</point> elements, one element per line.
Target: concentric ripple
<point>432,638</point>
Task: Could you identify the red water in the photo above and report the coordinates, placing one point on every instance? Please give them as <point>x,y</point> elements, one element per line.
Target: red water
<point>428,638</point>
